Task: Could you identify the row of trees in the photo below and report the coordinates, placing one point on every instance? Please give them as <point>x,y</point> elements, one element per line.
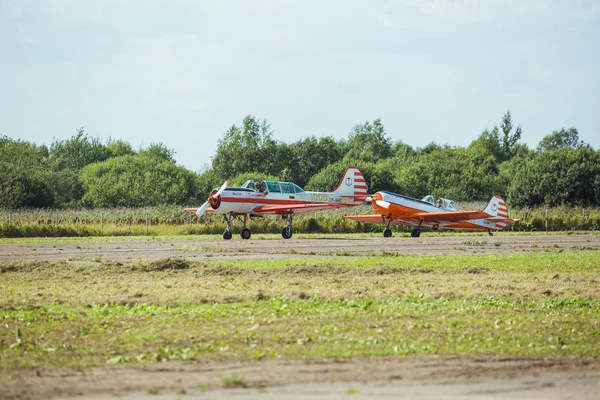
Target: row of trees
<point>82,171</point>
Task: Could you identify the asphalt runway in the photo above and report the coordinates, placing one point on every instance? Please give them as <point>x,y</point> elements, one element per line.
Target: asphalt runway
<point>329,246</point>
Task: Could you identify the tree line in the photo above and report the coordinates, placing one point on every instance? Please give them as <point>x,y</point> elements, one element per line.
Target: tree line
<point>83,171</point>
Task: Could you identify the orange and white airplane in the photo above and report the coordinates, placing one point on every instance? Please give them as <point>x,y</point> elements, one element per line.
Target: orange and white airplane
<point>256,198</point>
<point>396,209</point>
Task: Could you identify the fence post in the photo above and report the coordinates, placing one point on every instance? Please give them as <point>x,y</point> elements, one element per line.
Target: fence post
<point>146,222</point>
<point>546,220</point>
<point>10,218</point>
<point>56,219</point>
<point>102,224</point>
<point>583,221</point>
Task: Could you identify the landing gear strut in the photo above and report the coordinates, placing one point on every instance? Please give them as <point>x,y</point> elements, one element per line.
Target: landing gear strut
<point>245,233</point>
<point>490,232</point>
<point>416,232</point>
<point>286,233</point>
<point>228,220</point>
<point>387,232</point>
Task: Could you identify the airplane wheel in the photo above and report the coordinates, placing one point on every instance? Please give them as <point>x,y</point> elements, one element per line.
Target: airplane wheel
<point>387,232</point>
<point>286,233</point>
<point>227,234</point>
<point>245,234</point>
<point>415,232</point>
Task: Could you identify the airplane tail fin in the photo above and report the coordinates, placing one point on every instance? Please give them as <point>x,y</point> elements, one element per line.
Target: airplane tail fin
<point>498,212</point>
<point>353,187</point>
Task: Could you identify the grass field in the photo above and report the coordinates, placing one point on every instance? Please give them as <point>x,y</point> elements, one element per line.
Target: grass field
<point>76,315</point>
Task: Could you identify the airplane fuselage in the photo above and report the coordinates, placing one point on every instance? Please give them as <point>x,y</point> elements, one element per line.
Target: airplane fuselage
<point>245,201</point>
<point>407,206</point>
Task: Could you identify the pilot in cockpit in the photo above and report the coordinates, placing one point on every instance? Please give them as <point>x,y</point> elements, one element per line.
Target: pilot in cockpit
<point>439,203</point>
<point>257,186</point>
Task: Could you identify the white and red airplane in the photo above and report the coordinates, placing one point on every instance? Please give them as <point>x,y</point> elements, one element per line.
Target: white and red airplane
<point>256,198</point>
<point>396,209</point>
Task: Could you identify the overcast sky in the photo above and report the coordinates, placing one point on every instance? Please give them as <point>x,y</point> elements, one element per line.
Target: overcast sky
<point>181,72</point>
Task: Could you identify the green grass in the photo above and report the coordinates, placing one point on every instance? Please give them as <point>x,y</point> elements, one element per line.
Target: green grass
<point>61,315</point>
<point>61,335</point>
<point>520,263</point>
<point>233,381</point>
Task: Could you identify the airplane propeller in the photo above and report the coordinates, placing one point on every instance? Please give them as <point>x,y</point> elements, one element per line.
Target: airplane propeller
<point>200,212</point>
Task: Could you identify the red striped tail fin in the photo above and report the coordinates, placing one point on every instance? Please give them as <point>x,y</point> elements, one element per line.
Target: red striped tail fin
<point>352,187</point>
<point>498,212</point>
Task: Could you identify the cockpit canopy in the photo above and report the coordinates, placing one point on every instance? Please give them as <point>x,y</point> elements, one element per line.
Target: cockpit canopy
<point>441,202</point>
<point>273,187</point>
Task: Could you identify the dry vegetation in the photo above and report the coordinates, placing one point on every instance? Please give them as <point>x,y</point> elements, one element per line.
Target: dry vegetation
<point>171,220</point>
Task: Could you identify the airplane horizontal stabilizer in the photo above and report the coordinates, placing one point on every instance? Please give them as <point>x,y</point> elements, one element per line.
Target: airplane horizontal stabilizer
<point>500,219</point>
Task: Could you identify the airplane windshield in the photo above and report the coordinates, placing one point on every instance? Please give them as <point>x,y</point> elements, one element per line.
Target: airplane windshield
<point>286,187</point>
<point>449,204</point>
<point>428,199</point>
<point>273,186</point>
<point>441,202</point>
<point>446,204</point>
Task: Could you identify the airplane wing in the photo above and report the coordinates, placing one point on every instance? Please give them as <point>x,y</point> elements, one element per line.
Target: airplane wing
<point>443,216</point>
<point>450,216</point>
<point>367,219</point>
<point>296,208</point>
<point>379,219</point>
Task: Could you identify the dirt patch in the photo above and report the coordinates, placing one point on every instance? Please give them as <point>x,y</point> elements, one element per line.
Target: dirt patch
<point>207,376</point>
